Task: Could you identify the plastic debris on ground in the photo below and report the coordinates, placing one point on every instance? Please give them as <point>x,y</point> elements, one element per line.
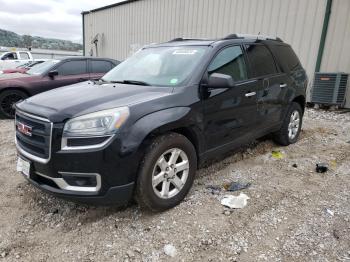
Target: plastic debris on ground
<point>170,250</point>
<point>277,154</point>
<point>321,168</point>
<point>333,164</point>
<point>235,186</point>
<point>235,201</point>
<point>330,212</point>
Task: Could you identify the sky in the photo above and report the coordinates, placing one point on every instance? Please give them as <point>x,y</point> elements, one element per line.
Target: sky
<point>47,18</point>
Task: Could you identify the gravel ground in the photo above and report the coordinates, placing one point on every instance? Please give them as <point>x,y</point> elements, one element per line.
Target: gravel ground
<point>293,214</point>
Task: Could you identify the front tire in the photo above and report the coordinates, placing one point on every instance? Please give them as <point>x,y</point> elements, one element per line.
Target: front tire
<point>7,99</point>
<point>166,173</point>
<point>290,130</point>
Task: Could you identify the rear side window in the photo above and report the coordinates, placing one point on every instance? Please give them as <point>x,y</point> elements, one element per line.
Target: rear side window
<point>24,55</point>
<point>261,60</point>
<point>100,66</point>
<point>72,68</point>
<point>287,57</point>
<point>230,61</point>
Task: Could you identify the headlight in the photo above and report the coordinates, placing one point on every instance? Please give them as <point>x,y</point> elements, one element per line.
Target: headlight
<point>100,123</point>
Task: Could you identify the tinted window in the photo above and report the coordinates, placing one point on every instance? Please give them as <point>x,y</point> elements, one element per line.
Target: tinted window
<point>261,60</point>
<point>230,61</point>
<point>24,55</point>
<point>99,66</point>
<point>72,68</point>
<point>287,57</point>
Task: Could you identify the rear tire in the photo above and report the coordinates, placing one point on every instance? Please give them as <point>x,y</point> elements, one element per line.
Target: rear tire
<point>166,173</point>
<point>7,99</point>
<point>290,130</point>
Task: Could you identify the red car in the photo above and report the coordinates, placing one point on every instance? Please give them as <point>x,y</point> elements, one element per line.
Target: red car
<point>22,68</point>
<point>49,75</point>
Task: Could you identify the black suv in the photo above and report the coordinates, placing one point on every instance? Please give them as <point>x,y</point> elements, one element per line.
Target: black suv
<point>145,127</point>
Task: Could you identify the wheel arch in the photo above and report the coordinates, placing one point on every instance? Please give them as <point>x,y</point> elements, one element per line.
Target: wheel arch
<point>186,131</point>
<point>178,120</point>
<point>19,88</point>
<point>301,101</point>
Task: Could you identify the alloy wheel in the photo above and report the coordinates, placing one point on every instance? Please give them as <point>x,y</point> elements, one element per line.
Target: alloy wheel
<point>170,173</point>
<point>294,123</point>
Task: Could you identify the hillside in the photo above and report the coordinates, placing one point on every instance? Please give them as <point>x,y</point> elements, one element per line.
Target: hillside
<point>11,39</point>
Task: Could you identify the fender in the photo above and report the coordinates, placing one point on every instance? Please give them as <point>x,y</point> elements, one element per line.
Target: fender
<point>8,84</point>
<point>160,122</point>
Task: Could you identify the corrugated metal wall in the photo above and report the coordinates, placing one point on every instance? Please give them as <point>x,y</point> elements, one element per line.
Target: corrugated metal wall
<point>125,28</point>
<point>336,56</point>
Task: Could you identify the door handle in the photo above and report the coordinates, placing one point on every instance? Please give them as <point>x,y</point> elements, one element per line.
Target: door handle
<point>250,94</point>
<point>283,85</point>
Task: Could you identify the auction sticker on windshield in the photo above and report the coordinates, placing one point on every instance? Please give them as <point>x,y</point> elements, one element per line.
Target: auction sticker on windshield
<point>173,81</point>
<point>185,52</point>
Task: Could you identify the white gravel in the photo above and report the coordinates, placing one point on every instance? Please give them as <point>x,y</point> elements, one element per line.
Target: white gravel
<point>293,214</point>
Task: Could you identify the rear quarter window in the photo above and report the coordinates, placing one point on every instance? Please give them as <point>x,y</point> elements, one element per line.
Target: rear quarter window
<point>286,57</point>
<point>261,60</point>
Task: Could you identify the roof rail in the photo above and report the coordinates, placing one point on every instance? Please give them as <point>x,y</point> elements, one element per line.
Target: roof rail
<point>187,39</point>
<point>250,36</point>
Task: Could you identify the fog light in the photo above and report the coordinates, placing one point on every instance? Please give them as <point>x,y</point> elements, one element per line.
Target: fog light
<point>80,180</point>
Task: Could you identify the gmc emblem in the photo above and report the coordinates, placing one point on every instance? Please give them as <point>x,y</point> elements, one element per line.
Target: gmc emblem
<point>24,129</point>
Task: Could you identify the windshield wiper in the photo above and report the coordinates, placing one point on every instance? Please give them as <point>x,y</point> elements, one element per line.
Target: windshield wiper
<point>135,82</point>
<point>132,82</point>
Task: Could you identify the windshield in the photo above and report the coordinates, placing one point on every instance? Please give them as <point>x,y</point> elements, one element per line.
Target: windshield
<point>158,66</point>
<point>41,68</point>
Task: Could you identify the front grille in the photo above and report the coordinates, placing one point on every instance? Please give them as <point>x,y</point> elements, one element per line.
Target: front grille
<point>37,143</point>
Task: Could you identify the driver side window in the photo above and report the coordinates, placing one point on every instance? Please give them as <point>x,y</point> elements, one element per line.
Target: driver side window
<point>10,56</point>
<point>230,61</point>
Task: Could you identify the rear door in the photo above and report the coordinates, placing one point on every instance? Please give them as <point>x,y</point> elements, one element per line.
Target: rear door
<point>272,84</point>
<point>230,113</point>
<point>99,67</point>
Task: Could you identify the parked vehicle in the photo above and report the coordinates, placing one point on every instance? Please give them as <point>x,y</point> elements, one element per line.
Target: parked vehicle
<point>10,60</point>
<point>22,68</point>
<point>145,127</point>
<point>49,75</point>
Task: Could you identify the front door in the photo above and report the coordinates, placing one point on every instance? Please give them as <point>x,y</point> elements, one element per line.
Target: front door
<point>230,113</point>
<point>69,72</point>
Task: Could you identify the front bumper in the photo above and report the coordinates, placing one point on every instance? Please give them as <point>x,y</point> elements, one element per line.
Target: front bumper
<point>117,195</point>
<point>108,173</point>
<point>112,176</point>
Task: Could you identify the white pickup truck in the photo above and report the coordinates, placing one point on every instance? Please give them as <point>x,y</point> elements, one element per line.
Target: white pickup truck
<point>10,60</point>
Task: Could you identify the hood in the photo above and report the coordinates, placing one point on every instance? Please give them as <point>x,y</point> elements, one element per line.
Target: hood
<point>86,97</point>
<point>13,76</point>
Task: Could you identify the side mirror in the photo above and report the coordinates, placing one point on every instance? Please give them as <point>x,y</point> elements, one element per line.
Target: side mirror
<point>217,80</point>
<point>53,73</point>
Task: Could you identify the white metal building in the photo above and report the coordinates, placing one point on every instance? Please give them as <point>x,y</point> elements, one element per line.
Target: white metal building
<point>318,30</point>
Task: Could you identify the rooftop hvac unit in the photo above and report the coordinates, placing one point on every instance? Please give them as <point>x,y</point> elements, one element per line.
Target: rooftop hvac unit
<point>329,89</point>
